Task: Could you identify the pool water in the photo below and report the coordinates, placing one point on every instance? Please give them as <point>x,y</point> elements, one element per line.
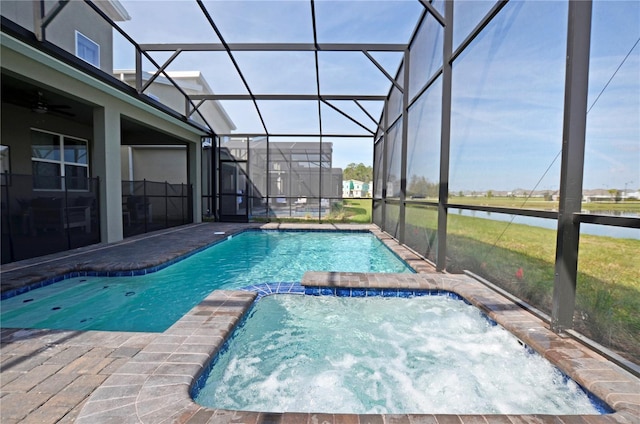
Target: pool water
<point>430,354</point>
<point>153,302</point>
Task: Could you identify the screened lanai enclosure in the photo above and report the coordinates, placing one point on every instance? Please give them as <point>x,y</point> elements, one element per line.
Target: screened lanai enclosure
<point>503,136</point>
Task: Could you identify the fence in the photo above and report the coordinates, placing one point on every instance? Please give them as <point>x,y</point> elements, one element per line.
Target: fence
<point>150,206</point>
<point>40,222</point>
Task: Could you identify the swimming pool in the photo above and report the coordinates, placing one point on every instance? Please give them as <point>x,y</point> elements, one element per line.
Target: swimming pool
<point>432,354</point>
<point>154,301</point>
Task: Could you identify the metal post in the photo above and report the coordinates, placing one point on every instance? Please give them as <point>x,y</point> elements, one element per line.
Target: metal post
<point>209,152</point>
<point>166,204</point>
<point>216,161</point>
<point>65,212</point>
<point>445,138</point>
<point>182,198</point>
<point>248,191</point>
<point>38,15</point>
<point>404,149</point>
<point>290,186</point>
<point>138,71</point>
<point>97,205</point>
<point>320,177</point>
<point>385,158</point>
<point>572,167</point>
<point>144,203</point>
<point>190,203</point>
<point>268,179</point>
<point>7,202</point>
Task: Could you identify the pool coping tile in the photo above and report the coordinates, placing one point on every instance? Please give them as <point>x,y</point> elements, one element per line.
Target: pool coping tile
<point>159,370</point>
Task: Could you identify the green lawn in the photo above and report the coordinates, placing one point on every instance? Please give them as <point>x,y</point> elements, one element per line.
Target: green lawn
<point>358,210</point>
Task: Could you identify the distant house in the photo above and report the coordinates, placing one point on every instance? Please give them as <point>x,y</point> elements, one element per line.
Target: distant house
<point>355,188</point>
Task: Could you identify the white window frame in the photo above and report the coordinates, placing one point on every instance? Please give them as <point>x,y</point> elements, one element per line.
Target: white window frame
<point>84,38</point>
<point>62,162</point>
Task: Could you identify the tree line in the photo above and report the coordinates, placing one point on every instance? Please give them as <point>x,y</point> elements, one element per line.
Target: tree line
<point>359,172</point>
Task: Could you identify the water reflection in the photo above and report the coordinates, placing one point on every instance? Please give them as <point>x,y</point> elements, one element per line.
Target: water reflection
<point>593,229</point>
<point>614,213</point>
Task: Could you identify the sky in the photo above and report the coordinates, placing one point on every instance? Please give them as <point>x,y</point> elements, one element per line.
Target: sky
<point>507,89</point>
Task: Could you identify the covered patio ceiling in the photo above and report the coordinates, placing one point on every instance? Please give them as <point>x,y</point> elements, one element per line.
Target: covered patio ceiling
<point>298,67</point>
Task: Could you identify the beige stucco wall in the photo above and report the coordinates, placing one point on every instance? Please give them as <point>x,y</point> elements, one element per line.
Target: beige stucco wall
<point>171,97</point>
<point>155,164</point>
<point>19,11</point>
<point>76,15</point>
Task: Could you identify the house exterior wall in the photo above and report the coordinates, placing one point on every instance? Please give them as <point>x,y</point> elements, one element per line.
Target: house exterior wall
<point>76,15</point>
<point>154,163</point>
<point>214,117</point>
<point>160,164</point>
<point>168,95</point>
<point>19,11</point>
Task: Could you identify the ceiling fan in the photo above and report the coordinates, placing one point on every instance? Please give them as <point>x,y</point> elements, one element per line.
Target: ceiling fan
<point>40,105</point>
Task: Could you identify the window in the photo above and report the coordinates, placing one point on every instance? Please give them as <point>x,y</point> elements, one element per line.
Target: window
<point>87,49</point>
<point>59,162</point>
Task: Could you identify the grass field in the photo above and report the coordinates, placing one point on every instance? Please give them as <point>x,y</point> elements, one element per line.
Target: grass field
<point>358,210</point>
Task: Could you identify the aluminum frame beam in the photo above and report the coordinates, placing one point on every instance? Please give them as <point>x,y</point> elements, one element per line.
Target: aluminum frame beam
<point>275,47</point>
<point>291,97</point>
<point>312,4</point>
<point>404,147</point>
<point>315,47</point>
<point>432,10</point>
<point>41,21</point>
<point>381,68</point>
<point>366,112</point>
<point>445,139</point>
<point>292,135</point>
<point>161,70</point>
<point>572,166</point>
<point>349,117</point>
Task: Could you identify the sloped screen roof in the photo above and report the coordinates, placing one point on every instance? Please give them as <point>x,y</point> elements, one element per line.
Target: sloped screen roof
<point>279,67</point>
